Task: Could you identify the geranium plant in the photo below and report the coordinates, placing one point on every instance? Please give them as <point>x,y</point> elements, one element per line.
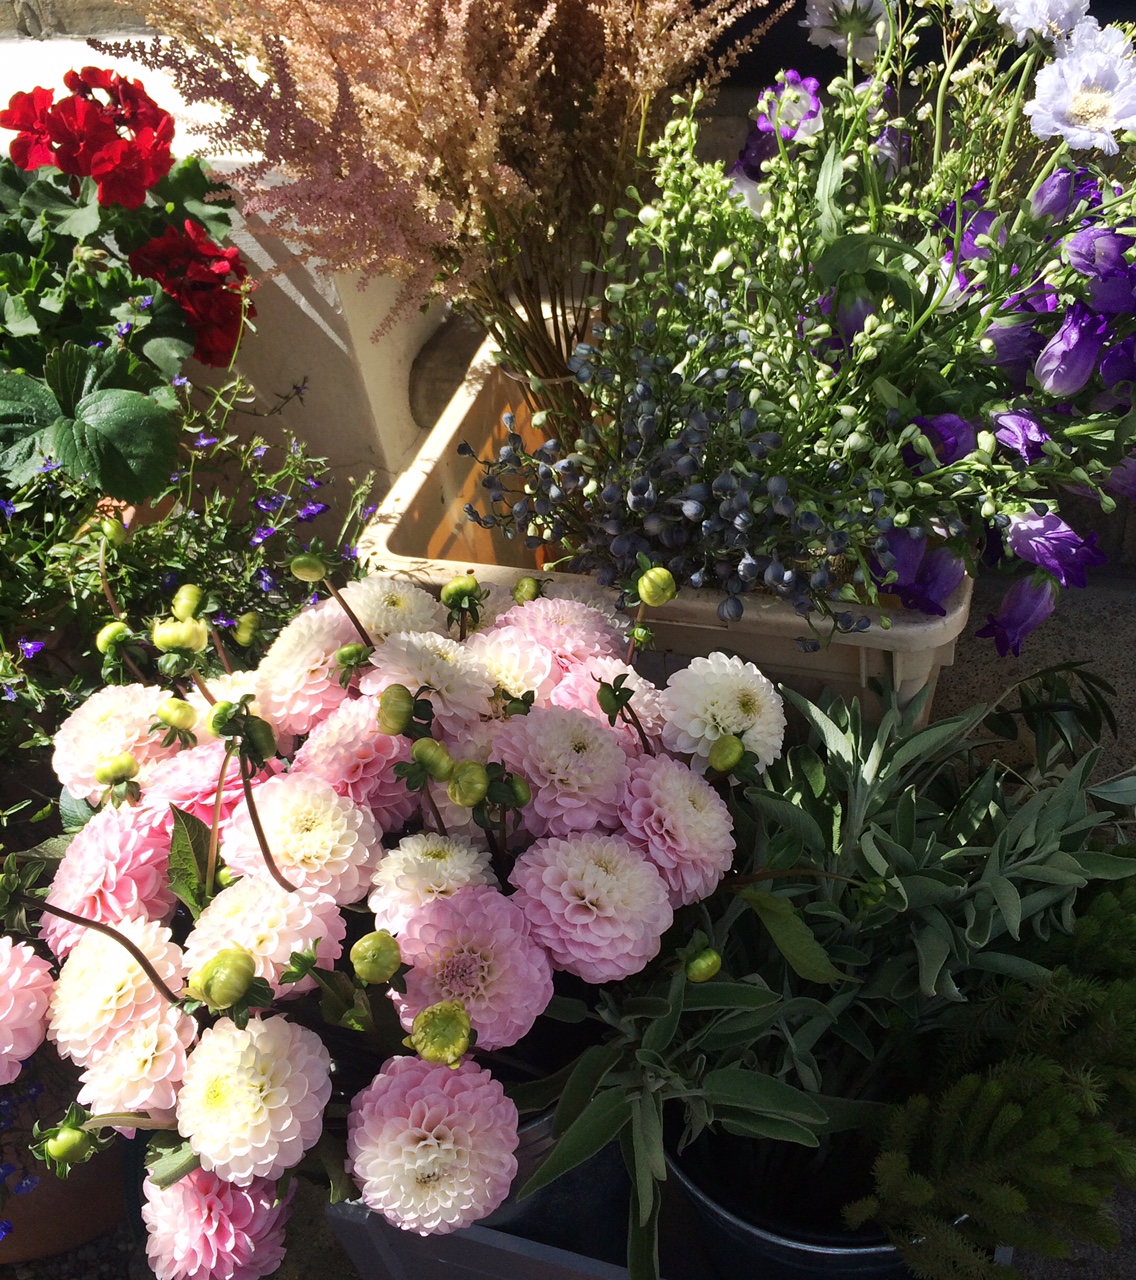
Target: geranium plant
<point>885,341</point>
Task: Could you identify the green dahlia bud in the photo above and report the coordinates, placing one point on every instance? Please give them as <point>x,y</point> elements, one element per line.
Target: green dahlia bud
<point>248,624</point>
<point>113,769</point>
<point>261,737</point>
<point>468,784</point>
<point>69,1145</point>
<point>189,635</point>
<point>217,718</point>
<point>114,531</point>
<point>223,980</point>
<point>703,966</point>
<point>434,758</point>
<point>726,753</point>
<point>522,792</point>
<point>225,877</point>
<point>396,709</point>
<point>376,957</point>
<point>609,701</point>
<point>110,635</point>
<point>308,567</point>
<point>177,713</point>
<point>526,589</point>
<point>457,589</point>
<point>352,655</point>
<point>657,587</point>
<point>440,1033</point>
<point>642,635</point>
<point>187,602</point>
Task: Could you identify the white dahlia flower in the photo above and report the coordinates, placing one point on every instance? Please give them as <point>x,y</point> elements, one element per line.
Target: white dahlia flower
<point>384,605</point>
<point>224,688</point>
<point>297,682</point>
<point>252,1100</point>
<point>516,662</point>
<point>141,1070</point>
<point>419,869</point>
<point>459,685</point>
<point>716,696</point>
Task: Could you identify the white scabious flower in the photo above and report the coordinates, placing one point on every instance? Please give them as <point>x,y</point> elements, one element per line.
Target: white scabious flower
<point>1088,94</point>
<point>321,842</point>
<point>252,1100</point>
<point>833,23</point>
<point>1050,19</point>
<point>113,721</point>
<point>297,682</point>
<point>271,923</point>
<point>716,696</point>
<point>142,1070</point>
<point>459,684</point>
<point>102,990</point>
<point>419,869</point>
<point>385,605</point>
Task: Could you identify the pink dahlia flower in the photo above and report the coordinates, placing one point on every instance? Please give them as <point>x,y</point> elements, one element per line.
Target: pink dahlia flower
<point>114,868</point>
<point>141,1070</point>
<point>460,685</point>
<point>271,923</point>
<point>25,993</point>
<point>517,662</point>
<point>432,1147</point>
<point>598,905</point>
<point>574,765</point>
<point>112,721</point>
<point>189,780</point>
<point>348,751</point>
<point>297,681</point>
<point>203,1228</point>
<point>682,824</point>
<point>580,684</point>
<point>320,841</point>
<point>474,946</point>
<point>252,1099</point>
<point>571,630</point>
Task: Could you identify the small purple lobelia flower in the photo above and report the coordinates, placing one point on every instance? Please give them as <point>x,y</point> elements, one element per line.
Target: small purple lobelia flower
<point>263,533</point>
<point>792,107</point>
<point>1062,191</point>
<point>29,648</point>
<point>1024,608</point>
<point>310,510</point>
<point>1069,358</point>
<point>1052,545</point>
<point>1019,429</point>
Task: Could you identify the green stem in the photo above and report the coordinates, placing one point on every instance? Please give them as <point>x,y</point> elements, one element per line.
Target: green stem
<point>215,828</point>
<point>941,96</point>
<point>1012,121</point>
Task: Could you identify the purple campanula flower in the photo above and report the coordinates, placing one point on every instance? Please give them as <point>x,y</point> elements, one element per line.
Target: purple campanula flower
<point>952,436</point>
<point>1098,254</point>
<point>1070,357</point>
<point>1052,545</point>
<point>261,536</point>
<point>7,509</point>
<point>925,579</point>
<point>1020,430</point>
<point>976,221</point>
<point>29,648</point>
<point>854,304</point>
<point>758,147</point>
<point>1023,609</point>
<point>1017,345</point>
<point>892,150</point>
<point>1062,191</point>
<point>792,107</point>
<point>1118,364</point>
<point>1122,479</point>
<point>310,510</point>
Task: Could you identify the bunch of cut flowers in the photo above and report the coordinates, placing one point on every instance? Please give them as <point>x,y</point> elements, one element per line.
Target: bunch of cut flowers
<point>305,906</point>
<point>882,345</point>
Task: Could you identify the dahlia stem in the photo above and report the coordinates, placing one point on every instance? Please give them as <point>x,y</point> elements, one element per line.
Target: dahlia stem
<point>203,688</point>
<point>127,1119</point>
<point>339,600</point>
<point>137,955</point>
<point>215,829</point>
<point>222,652</point>
<point>115,608</point>
<point>262,839</point>
<point>628,713</point>
<point>434,809</point>
<point>640,614</point>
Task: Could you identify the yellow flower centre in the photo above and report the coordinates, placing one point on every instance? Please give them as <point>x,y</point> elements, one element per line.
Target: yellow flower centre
<point>217,1093</point>
<point>1091,108</point>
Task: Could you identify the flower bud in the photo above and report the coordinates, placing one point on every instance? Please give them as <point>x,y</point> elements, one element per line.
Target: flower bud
<point>187,602</point>
<point>112,769</point>
<point>434,758</point>
<point>468,784</point>
<point>261,737</point>
<point>69,1145</point>
<point>110,635</point>
<point>396,709</point>
<point>114,531</point>
<point>349,656</point>
<point>376,957</point>
<point>248,624</point>
<point>726,753</point>
<point>217,718</point>
<point>308,567</point>
<point>657,587</point>
<point>440,1033</point>
<point>223,980</point>
<point>522,792</point>
<point>526,589</point>
<point>177,713</point>
<point>186,636</point>
<point>457,589</point>
<point>608,700</point>
<point>703,966</point>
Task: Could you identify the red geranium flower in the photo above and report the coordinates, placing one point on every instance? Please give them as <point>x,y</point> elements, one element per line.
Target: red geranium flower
<point>28,113</point>
<point>80,129</point>
<point>205,279</point>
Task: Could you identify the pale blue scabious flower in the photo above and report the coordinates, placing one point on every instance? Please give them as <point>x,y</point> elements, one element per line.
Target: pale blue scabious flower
<point>1050,19</point>
<point>1088,93</point>
<point>832,23</point>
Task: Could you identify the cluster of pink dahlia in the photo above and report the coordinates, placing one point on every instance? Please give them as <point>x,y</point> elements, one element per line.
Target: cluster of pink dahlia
<point>569,629</point>
<point>432,1148</point>
<point>114,721</point>
<point>25,993</point>
<point>347,751</point>
<point>599,905</point>
<point>681,823</point>
<point>475,946</point>
<point>113,869</point>
<point>203,1228</point>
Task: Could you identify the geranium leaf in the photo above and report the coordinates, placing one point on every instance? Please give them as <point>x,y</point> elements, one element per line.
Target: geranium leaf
<point>119,441</point>
<point>27,412</point>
